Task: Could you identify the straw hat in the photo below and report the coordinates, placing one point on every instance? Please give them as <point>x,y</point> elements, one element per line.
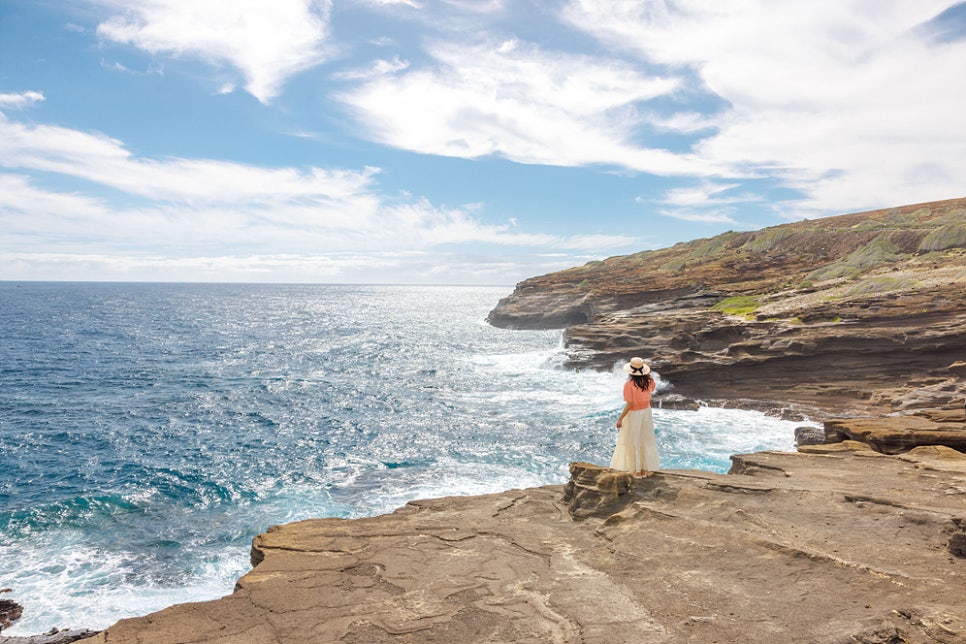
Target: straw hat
<point>637,367</point>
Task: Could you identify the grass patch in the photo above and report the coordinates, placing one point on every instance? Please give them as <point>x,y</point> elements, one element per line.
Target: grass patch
<point>876,285</point>
<point>878,252</point>
<point>838,270</point>
<point>955,217</point>
<point>714,246</point>
<point>738,305</point>
<point>948,236</point>
<point>767,239</point>
<point>870,225</point>
<point>675,265</point>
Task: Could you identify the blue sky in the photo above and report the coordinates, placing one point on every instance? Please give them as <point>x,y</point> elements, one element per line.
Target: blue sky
<point>454,141</point>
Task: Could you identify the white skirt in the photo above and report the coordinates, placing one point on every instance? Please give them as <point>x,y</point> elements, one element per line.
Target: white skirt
<point>636,446</point>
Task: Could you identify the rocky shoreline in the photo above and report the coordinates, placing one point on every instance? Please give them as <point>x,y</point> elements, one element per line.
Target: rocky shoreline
<point>837,543</point>
<point>859,536</point>
<point>53,636</point>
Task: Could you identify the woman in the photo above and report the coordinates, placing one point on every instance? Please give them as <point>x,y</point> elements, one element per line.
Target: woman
<point>636,449</point>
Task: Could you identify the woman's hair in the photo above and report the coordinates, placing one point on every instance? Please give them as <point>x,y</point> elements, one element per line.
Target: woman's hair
<point>643,382</point>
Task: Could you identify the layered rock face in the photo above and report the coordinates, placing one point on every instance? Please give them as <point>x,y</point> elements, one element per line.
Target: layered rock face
<point>847,314</point>
<point>832,546</point>
<point>898,434</point>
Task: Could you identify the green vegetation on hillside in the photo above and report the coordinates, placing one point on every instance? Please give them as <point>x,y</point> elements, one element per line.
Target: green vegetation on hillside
<point>812,262</point>
<point>882,284</point>
<point>949,236</point>
<point>738,305</point>
<point>878,252</point>
<point>767,239</point>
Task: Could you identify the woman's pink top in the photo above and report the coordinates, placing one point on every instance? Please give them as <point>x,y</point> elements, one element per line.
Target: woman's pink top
<point>637,397</point>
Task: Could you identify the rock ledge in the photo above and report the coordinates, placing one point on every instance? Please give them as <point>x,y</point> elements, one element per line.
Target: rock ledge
<point>841,546</point>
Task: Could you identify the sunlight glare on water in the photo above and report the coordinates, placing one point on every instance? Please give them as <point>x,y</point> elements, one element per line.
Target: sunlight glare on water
<point>149,431</point>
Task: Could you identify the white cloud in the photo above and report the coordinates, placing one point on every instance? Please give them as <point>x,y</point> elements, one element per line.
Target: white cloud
<point>848,101</point>
<point>697,195</point>
<point>712,216</point>
<point>401,268</point>
<point>20,100</point>
<point>378,69</point>
<point>183,212</point>
<point>708,202</point>
<point>101,159</point>
<point>267,41</point>
<point>478,6</point>
<point>388,3</point>
<point>515,100</point>
<point>598,242</point>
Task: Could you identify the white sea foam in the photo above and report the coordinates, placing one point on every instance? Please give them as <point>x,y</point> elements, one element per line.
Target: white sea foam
<point>69,584</point>
<point>152,467</point>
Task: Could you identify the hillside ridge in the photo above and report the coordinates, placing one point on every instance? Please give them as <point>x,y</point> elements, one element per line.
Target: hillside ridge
<point>776,317</point>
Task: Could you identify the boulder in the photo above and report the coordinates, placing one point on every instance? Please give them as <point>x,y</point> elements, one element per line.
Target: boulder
<point>809,435</point>
<point>10,611</point>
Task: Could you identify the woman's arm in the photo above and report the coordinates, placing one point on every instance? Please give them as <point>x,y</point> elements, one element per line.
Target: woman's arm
<point>627,408</point>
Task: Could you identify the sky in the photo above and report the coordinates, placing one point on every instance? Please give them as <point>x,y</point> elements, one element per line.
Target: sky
<point>455,141</point>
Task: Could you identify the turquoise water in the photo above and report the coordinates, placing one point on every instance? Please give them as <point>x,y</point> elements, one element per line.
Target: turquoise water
<point>149,431</point>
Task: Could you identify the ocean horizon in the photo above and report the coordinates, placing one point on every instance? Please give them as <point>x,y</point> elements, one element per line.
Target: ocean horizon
<point>149,430</point>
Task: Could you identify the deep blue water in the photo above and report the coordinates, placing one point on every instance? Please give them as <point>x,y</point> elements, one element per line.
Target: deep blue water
<point>149,431</point>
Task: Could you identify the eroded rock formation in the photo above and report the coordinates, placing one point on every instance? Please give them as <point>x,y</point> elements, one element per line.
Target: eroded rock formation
<point>10,611</point>
<point>844,315</point>
<point>54,636</point>
<point>831,546</point>
<point>897,434</point>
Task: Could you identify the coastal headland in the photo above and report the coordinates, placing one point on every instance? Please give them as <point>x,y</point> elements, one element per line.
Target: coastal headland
<point>857,320</point>
<point>855,314</point>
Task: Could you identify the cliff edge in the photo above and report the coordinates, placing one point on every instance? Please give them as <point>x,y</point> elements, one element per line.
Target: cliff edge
<point>831,546</point>
<point>854,314</point>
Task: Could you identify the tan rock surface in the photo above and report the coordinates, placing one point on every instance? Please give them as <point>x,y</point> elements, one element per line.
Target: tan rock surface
<point>838,547</point>
<point>895,434</point>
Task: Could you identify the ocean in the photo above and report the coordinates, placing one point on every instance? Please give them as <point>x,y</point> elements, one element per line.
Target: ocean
<point>149,431</point>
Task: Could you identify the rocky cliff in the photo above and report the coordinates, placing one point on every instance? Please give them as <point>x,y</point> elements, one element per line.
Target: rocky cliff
<point>831,546</point>
<point>849,314</point>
